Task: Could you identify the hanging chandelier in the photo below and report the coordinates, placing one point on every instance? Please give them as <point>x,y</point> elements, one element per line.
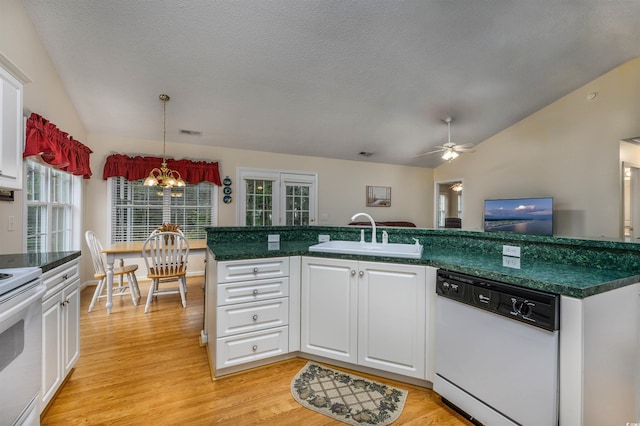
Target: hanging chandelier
<point>164,176</point>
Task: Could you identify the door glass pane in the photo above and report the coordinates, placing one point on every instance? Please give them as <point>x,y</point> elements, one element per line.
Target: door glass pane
<point>297,204</point>
<point>259,203</point>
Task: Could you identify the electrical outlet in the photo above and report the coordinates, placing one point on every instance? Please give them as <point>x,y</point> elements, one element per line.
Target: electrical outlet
<point>324,238</point>
<point>273,238</point>
<point>274,245</point>
<point>511,251</point>
<point>511,262</point>
<point>11,225</point>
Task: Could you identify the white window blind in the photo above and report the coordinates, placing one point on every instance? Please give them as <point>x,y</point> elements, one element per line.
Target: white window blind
<point>136,210</point>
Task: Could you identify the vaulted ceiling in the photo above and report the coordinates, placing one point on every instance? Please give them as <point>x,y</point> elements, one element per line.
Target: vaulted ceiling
<point>328,78</point>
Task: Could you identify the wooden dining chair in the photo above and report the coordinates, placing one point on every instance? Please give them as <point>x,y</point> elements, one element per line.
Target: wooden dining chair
<point>166,255</point>
<point>119,289</point>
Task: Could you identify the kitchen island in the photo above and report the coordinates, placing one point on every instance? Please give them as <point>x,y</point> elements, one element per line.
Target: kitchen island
<point>596,279</point>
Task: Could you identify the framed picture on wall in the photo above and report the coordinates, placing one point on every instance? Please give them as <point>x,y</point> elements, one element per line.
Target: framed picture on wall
<point>378,196</point>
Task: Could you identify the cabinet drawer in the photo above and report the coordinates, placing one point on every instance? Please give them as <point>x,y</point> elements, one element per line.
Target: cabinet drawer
<point>246,317</point>
<point>60,277</point>
<point>251,291</point>
<point>251,269</point>
<point>249,347</point>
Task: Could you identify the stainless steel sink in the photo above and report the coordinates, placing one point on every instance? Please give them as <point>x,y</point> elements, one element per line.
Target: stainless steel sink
<point>408,251</point>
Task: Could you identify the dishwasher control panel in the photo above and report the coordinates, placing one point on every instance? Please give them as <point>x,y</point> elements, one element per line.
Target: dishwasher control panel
<point>523,304</point>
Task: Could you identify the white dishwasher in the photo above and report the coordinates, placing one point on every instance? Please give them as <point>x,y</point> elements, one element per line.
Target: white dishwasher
<point>497,351</point>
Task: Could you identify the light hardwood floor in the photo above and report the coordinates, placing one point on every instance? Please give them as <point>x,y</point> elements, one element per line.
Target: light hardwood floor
<point>137,369</point>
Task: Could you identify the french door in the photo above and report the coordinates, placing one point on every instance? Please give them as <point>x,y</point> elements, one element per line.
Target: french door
<point>274,198</point>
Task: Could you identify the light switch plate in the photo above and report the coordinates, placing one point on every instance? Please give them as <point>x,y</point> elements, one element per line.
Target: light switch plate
<point>273,238</point>
<point>511,251</point>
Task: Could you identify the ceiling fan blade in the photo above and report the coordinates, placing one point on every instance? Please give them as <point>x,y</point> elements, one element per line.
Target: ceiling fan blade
<point>463,149</point>
<point>464,145</point>
<point>429,153</point>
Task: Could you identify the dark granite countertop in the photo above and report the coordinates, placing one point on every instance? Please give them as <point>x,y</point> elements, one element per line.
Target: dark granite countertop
<point>45,261</point>
<point>556,277</point>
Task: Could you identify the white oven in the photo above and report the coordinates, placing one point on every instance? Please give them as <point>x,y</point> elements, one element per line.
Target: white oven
<point>21,294</point>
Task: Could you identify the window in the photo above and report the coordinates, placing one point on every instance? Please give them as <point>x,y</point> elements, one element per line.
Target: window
<point>136,210</point>
<point>53,209</point>
<point>268,197</point>
<point>442,209</point>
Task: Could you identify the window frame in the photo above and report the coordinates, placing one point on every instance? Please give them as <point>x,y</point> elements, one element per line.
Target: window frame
<point>74,206</point>
<point>165,206</point>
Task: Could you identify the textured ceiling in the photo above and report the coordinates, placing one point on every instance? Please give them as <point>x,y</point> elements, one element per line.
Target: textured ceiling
<point>328,78</point>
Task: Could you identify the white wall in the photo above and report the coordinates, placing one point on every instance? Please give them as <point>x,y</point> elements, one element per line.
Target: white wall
<point>45,95</point>
<point>568,150</point>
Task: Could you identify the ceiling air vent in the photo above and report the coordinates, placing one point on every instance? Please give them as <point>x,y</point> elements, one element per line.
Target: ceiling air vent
<point>189,132</point>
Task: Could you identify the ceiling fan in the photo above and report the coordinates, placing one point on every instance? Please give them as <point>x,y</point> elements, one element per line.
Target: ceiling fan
<point>450,150</point>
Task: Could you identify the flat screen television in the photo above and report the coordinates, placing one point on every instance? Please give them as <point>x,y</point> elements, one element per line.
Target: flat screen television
<point>519,215</point>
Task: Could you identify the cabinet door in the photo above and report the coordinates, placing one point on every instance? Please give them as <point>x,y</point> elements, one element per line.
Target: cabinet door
<point>71,325</point>
<point>329,308</point>
<point>392,318</point>
<point>11,131</point>
<point>51,347</point>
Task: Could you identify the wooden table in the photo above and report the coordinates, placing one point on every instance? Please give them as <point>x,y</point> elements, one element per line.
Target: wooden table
<point>134,250</point>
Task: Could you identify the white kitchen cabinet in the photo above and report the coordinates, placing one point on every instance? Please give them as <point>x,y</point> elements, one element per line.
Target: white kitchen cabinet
<point>11,131</point>
<point>329,308</point>
<point>366,313</point>
<point>252,311</point>
<point>392,318</point>
<point>60,327</point>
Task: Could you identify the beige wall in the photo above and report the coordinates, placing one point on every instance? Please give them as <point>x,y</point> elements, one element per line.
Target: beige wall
<point>568,150</point>
<point>341,184</point>
<point>45,95</point>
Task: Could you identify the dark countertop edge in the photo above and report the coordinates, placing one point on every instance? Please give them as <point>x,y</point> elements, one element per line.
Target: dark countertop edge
<point>66,257</point>
<point>549,287</point>
<point>45,261</point>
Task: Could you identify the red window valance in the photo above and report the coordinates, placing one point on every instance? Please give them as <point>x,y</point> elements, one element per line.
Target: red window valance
<point>134,168</point>
<point>55,147</point>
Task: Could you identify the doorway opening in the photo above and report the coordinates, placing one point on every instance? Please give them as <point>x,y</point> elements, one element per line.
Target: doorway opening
<point>630,200</point>
<point>449,204</point>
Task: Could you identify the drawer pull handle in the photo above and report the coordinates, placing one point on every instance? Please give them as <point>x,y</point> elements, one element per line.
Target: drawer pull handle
<point>255,318</point>
<point>361,273</point>
<point>255,270</point>
<point>353,272</point>
<point>255,348</point>
<point>65,276</point>
<point>255,292</point>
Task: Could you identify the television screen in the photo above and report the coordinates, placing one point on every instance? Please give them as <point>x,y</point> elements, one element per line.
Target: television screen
<point>520,215</point>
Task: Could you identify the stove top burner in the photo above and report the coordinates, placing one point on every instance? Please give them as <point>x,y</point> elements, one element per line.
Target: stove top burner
<point>12,278</point>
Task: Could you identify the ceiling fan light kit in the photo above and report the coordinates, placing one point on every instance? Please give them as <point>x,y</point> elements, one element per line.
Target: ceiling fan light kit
<point>450,151</point>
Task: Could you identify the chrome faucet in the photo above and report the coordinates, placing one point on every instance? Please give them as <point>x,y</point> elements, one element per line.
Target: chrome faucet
<point>374,239</point>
